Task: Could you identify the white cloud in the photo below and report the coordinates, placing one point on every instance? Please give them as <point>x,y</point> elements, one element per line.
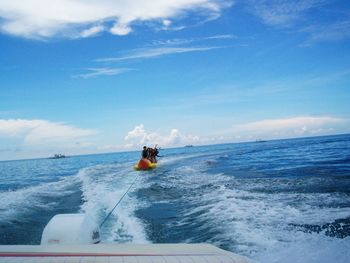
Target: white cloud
<point>297,15</point>
<point>91,31</point>
<point>168,47</point>
<point>227,36</point>
<point>139,137</point>
<point>120,29</point>
<point>288,127</point>
<point>156,52</point>
<point>166,23</point>
<point>96,72</point>
<point>183,41</point>
<point>334,31</point>
<point>45,19</point>
<point>282,12</point>
<point>39,132</point>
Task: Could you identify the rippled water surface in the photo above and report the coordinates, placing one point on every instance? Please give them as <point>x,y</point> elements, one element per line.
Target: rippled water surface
<point>275,201</point>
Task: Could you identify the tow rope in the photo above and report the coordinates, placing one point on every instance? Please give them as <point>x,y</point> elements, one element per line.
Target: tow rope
<point>119,201</point>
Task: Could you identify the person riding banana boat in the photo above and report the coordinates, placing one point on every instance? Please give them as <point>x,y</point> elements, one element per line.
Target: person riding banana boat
<point>148,158</point>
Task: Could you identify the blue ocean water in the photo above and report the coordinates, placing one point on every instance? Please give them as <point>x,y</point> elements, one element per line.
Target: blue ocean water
<point>275,201</point>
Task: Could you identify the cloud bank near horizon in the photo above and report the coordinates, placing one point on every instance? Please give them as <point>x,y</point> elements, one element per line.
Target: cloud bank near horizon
<point>42,132</point>
<point>294,127</point>
<point>288,127</point>
<point>79,18</point>
<point>139,137</point>
<point>20,138</point>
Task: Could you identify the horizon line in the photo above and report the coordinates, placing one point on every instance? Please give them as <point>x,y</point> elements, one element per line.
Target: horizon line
<point>177,147</point>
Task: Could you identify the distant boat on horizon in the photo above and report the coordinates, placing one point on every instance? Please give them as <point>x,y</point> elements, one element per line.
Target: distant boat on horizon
<point>260,140</point>
<point>189,145</point>
<point>58,156</point>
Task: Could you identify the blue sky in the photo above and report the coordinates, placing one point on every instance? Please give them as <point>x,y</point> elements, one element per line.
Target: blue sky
<point>102,76</point>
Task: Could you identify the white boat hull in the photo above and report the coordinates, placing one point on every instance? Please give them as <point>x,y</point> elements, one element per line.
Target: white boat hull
<point>157,253</point>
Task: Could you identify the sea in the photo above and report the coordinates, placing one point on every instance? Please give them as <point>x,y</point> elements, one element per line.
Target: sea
<point>274,201</point>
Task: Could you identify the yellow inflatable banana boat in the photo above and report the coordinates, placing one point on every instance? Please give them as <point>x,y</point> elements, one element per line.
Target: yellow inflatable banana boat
<point>144,164</point>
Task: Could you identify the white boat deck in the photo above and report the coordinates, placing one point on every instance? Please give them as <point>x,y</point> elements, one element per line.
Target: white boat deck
<point>121,253</point>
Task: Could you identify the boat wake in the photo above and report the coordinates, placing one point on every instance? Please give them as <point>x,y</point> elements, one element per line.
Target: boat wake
<point>102,187</point>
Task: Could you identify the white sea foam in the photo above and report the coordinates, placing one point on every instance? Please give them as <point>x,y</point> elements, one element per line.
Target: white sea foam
<point>102,187</point>
<point>15,204</point>
<point>262,225</point>
<point>308,248</point>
